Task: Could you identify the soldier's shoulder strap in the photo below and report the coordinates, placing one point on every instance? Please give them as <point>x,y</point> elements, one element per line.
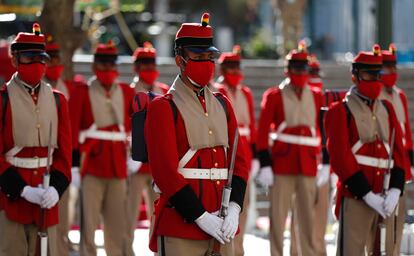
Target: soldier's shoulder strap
<point>349,113</point>
<point>219,97</point>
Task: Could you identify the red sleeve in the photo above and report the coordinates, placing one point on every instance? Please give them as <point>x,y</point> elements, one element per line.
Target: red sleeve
<point>399,154</point>
<point>4,165</point>
<point>76,105</point>
<point>241,167</point>
<point>268,108</point>
<point>250,102</point>
<point>342,160</point>
<point>62,156</point>
<point>162,147</point>
<point>408,134</point>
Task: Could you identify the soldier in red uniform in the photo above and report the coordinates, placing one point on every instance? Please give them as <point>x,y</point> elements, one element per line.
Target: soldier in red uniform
<point>292,110</point>
<point>190,162</point>
<point>140,178</point>
<point>358,140</point>
<point>29,109</point>
<point>241,98</point>
<point>315,79</point>
<point>398,99</point>
<point>100,122</point>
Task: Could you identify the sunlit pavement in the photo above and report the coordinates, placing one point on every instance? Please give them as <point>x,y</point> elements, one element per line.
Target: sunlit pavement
<point>254,245</point>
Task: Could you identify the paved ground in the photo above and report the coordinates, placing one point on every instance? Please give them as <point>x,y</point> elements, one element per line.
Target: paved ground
<point>254,245</point>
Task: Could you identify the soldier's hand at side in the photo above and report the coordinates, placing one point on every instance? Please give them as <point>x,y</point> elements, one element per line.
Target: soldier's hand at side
<point>33,195</point>
<point>211,224</point>
<point>376,202</point>
<point>231,222</point>
<point>391,201</point>
<point>322,176</point>
<point>133,166</point>
<point>265,176</point>
<point>50,198</point>
<point>255,167</point>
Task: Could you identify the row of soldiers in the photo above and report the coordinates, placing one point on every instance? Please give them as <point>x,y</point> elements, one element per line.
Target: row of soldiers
<point>190,134</point>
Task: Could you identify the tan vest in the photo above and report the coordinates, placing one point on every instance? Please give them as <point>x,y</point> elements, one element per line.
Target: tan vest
<point>298,111</point>
<point>370,124</point>
<point>107,107</point>
<point>142,87</point>
<point>204,130</point>
<point>31,122</point>
<point>397,103</point>
<point>240,105</point>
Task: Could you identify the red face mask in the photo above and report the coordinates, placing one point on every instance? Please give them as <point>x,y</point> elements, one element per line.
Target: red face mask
<point>370,89</point>
<point>199,72</point>
<point>106,77</point>
<point>233,79</point>
<point>389,80</point>
<point>31,73</point>
<point>54,72</point>
<point>298,80</point>
<point>148,76</point>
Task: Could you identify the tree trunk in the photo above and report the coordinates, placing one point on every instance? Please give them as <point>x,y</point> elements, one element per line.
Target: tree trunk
<point>57,19</point>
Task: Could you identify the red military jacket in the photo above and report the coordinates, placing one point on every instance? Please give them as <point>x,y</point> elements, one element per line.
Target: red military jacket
<point>100,158</point>
<point>163,88</point>
<point>249,141</point>
<point>286,158</point>
<point>16,208</point>
<point>355,180</point>
<point>165,149</point>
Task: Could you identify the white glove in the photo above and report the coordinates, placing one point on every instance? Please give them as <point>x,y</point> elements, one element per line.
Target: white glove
<point>133,166</point>
<point>375,202</point>
<point>265,176</point>
<point>255,167</point>
<point>50,198</point>
<point>211,224</point>
<point>33,195</point>
<point>322,176</point>
<point>334,180</point>
<point>231,222</point>
<point>391,200</point>
<point>76,179</point>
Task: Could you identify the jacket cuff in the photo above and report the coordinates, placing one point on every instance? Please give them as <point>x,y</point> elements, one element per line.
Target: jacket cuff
<point>76,158</point>
<point>264,157</point>
<point>358,185</point>
<point>238,191</point>
<point>411,157</point>
<point>325,156</point>
<point>397,179</point>
<point>187,204</point>
<point>59,181</point>
<point>254,150</point>
<point>11,183</point>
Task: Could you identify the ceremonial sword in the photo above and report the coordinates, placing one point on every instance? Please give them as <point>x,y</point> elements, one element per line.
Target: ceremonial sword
<point>225,199</point>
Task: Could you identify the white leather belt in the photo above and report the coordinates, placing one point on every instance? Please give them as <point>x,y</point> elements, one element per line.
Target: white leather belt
<point>103,135</point>
<point>204,174</point>
<point>244,131</point>
<point>373,161</point>
<point>28,163</point>
<point>296,139</point>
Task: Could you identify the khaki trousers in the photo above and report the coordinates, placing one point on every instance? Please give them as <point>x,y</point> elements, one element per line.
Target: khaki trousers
<point>21,240</point>
<point>106,198</point>
<point>238,240</point>
<point>395,225</point>
<point>138,185</point>
<point>319,223</point>
<point>63,226</point>
<point>172,246</point>
<point>357,228</point>
<point>284,189</point>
